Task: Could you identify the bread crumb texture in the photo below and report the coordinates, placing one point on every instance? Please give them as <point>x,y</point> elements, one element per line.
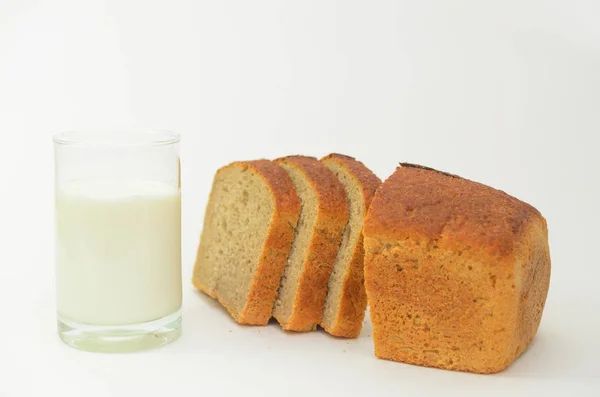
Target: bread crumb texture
<point>456,272</point>
<point>248,230</point>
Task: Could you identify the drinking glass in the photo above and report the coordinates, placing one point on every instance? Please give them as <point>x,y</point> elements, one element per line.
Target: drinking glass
<point>118,239</point>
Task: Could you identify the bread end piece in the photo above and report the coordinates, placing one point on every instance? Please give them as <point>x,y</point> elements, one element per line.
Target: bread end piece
<point>457,273</point>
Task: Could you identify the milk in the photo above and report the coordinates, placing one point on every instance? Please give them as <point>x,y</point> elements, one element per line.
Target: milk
<point>118,251</point>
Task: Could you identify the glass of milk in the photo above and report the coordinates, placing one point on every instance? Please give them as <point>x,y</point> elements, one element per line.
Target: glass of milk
<point>118,239</point>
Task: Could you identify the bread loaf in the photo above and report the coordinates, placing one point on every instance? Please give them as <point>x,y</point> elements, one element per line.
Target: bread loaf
<point>346,301</point>
<point>456,272</point>
<point>323,216</point>
<point>248,230</point>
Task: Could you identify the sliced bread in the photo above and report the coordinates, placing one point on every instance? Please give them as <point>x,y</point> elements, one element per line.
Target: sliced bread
<point>456,272</point>
<point>323,216</point>
<point>346,300</point>
<point>248,230</point>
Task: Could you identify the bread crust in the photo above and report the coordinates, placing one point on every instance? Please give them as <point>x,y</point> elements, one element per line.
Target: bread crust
<point>332,216</point>
<point>353,299</point>
<point>450,206</point>
<point>456,272</point>
<point>263,291</point>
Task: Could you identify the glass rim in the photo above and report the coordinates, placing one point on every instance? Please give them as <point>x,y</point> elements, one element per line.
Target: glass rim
<point>116,138</point>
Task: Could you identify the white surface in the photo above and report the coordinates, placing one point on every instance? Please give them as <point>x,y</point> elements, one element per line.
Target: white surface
<point>117,236</point>
<point>506,93</point>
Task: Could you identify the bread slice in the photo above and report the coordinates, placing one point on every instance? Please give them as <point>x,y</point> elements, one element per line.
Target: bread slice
<point>248,230</point>
<point>346,301</point>
<point>456,272</point>
<point>323,216</point>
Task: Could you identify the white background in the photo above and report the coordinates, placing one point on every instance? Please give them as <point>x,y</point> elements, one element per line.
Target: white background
<point>503,92</point>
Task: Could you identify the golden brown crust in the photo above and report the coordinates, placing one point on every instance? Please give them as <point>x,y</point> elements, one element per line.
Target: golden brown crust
<point>456,272</point>
<point>263,291</point>
<point>353,300</point>
<point>421,202</point>
<point>332,216</point>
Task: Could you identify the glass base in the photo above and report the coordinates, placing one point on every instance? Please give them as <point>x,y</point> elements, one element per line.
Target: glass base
<point>120,338</point>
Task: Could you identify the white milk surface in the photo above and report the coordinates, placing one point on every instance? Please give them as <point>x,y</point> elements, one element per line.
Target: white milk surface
<point>118,251</point>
